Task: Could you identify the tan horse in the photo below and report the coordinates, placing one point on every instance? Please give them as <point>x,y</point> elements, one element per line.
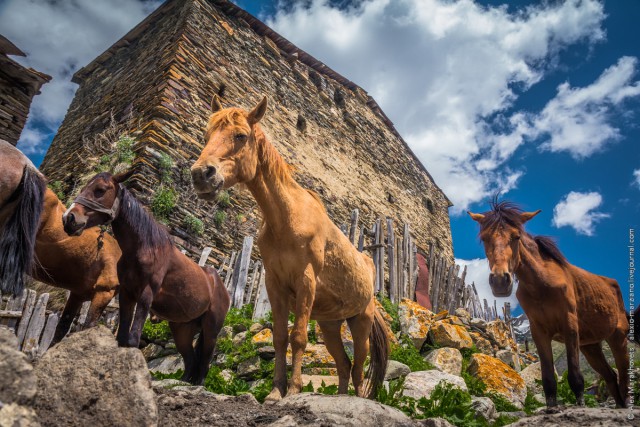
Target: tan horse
<point>85,265</point>
<point>21,198</point>
<point>563,302</point>
<point>311,267</point>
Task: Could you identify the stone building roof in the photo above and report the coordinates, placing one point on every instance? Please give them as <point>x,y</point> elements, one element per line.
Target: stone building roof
<point>281,43</point>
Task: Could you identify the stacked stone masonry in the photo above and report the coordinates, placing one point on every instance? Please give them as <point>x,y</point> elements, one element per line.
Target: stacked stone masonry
<point>163,75</point>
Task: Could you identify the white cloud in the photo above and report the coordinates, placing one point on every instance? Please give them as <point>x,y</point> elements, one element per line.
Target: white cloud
<point>578,210</point>
<point>478,273</point>
<point>60,37</point>
<point>446,73</point>
<point>636,178</point>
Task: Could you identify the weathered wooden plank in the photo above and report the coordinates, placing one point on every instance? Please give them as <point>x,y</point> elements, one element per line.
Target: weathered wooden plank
<point>222,265</point>
<point>229,273</point>
<point>405,263</point>
<point>262,305</point>
<point>29,305</point>
<point>36,323</point>
<point>436,284</point>
<point>454,286</point>
<point>413,271</point>
<point>47,334</point>
<point>15,304</point>
<point>204,256</point>
<point>253,281</point>
<point>345,229</point>
<point>391,261</point>
<point>355,215</point>
<point>7,315</point>
<point>84,311</point>
<point>383,291</point>
<point>363,232</point>
<point>241,271</point>
<point>376,254</point>
<point>401,291</point>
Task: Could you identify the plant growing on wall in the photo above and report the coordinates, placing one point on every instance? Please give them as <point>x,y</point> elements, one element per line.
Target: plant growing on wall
<point>165,163</point>
<point>193,225</point>
<point>163,203</point>
<point>219,218</point>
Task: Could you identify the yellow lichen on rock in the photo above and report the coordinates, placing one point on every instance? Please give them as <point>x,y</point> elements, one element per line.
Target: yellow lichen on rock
<point>262,338</point>
<point>498,377</point>
<point>448,335</point>
<point>415,321</point>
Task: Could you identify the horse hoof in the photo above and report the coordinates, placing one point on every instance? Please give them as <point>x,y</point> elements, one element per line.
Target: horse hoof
<point>553,410</point>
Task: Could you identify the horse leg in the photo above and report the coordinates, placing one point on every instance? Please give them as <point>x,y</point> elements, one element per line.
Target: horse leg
<point>142,311</point>
<point>575,378</point>
<point>280,312</point>
<point>594,355</point>
<point>618,344</point>
<point>183,334</point>
<point>212,323</point>
<point>360,326</point>
<point>549,385</point>
<point>98,304</point>
<point>333,343</point>
<point>71,310</point>
<point>305,294</point>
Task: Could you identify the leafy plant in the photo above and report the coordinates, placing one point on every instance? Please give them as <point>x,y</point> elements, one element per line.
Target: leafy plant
<point>124,149</point>
<point>224,199</point>
<point>313,339</point>
<point>502,404</point>
<point>216,383</point>
<point>475,385</point>
<point>451,403</point>
<point>156,331</point>
<point>193,225</point>
<point>219,218</point>
<point>531,403</point>
<point>165,163</point>
<point>392,310</point>
<point>163,202</point>
<point>157,375</point>
<point>56,187</point>
<point>405,352</point>
<point>240,316</point>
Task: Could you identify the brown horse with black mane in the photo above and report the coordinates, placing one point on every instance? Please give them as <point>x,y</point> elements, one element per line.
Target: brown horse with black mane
<point>311,267</point>
<point>563,302</point>
<point>154,275</point>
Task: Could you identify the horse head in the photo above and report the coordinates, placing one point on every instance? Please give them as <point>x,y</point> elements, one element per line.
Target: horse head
<point>500,232</point>
<point>230,155</point>
<point>96,204</point>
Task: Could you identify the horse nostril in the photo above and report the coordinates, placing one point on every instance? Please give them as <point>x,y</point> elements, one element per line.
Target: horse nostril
<point>507,278</point>
<point>209,172</point>
<point>70,218</point>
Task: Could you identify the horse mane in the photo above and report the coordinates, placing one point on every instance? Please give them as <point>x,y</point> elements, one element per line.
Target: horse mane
<point>506,212</point>
<point>151,234</point>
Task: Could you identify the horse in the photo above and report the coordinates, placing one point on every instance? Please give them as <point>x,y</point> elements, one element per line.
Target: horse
<point>311,267</point>
<point>154,275</point>
<point>85,265</point>
<point>22,189</point>
<point>563,302</point>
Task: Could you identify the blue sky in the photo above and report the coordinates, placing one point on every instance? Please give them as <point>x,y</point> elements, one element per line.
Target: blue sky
<point>538,100</point>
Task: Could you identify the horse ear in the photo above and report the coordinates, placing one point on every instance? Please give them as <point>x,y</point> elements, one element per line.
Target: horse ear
<point>526,216</point>
<point>215,103</point>
<point>122,177</point>
<point>258,112</point>
<point>475,216</point>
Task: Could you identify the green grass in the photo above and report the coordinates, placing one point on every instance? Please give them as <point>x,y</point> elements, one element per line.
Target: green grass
<point>392,310</point>
<point>124,150</point>
<point>193,225</point>
<point>163,202</point>
<point>156,331</point>
<point>219,218</point>
<point>224,199</point>
<point>405,352</point>
<point>240,316</point>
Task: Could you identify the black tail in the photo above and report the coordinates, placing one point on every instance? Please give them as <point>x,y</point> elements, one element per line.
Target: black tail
<point>18,236</point>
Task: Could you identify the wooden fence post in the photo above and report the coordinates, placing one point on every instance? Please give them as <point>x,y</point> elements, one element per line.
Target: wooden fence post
<point>355,214</point>
<point>36,323</point>
<point>391,260</point>
<point>204,256</point>
<point>26,315</point>
<point>262,305</point>
<point>241,271</point>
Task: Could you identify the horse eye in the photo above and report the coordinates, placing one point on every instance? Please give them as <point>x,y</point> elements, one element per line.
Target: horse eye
<point>516,237</point>
<point>99,192</point>
<point>240,137</point>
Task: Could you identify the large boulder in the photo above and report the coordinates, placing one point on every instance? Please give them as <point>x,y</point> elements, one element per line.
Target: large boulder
<point>315,355</point>
<point>415,321</point>
<point>498,331</point>
<point>532,375</point>
<point>263,338</point>
<point>395,370</point>
<point>349,410</point>
<point>422,383</point>
<point>578,417</point>
<point>499,378</point>
<point>482,344</point>
<point>463,315</point>
<point>14,415</point>
<point>484,407</point>
<point>167,365</point>
<point>17,380</point>
<point>88,380</point>
<point>510,358</point>
<point>446,359</point>
<point>445,334</point>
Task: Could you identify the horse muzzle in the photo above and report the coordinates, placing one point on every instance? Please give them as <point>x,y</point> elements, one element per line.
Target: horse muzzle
<point>207,182</point>
<point>501,284</point>
<point>71,226</point>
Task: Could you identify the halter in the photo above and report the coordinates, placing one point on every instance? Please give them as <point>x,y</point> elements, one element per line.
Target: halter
<point>99,207</point>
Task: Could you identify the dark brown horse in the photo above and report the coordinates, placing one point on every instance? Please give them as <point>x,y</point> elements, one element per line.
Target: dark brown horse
<point>154,275</point>
<point>21,198</point>
<point>85,265</point>
<point>563,302</point>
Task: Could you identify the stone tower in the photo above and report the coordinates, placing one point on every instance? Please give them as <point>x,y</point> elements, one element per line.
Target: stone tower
<point>157,82</point>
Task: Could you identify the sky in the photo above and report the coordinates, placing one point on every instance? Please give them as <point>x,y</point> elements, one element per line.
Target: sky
<point>538,101</point>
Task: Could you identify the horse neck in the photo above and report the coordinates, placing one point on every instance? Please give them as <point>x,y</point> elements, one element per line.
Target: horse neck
<point>530,270</point>
<point>51,227</point>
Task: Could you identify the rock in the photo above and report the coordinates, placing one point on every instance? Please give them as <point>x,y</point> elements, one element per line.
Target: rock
<point>239,328</point>
<point>531,375</point>
<point>194,390</point>
<point>395,370</point>
<point>221,359</point>
<point>88,380</point>
<point>447,335</point>
<point>484,407</point>
<point>267,352</point>
<point>239,339</point>
<point>455,320</point>
<point>167,383</point>
<point>422,383</point>
<point>286,421</point>
<point>263,338</point>
<point>436,422</point>
<point>415,321</point>
<point>255,328</point>
<point>510,358</point>
<point>316,355</point>
<point>226,332</point>
<point>249,367</point>
<point>498,331</point>
<point>463,314</point>
<point>576,416</point>
<point>227,374</point>
<point>317,380</point>
<point>446,359</point>
<point>17,381</point>
<point>14,415</point>
<point>482,344</point>
<point>499,378</point>
<point>348,410</point>
<point>152,351</point>
<point>167,365</point>
<point>478,323</point>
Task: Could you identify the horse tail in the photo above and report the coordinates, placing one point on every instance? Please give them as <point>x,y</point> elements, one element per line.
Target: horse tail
<point>18,236</point>
<point>379,349</point>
